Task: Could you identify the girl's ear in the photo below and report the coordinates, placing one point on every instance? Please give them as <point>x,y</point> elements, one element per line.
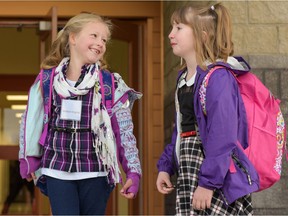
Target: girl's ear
<point>204,36</point>
<point>72,39</point>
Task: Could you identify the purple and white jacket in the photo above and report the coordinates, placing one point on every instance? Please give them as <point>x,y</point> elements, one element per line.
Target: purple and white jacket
<point>33,135</point>
<point>224,126</point>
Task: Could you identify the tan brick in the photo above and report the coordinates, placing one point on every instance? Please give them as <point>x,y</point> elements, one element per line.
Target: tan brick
<point>238,11</point>
<point>268,11</point>
<point>255,39</point>
<point>240,45</point>
<point>274,197</point>
<point>284,109</point>
<point>283,85</point>
<point>271,81</point>
<point>283,40</point>
<point>273,61</point>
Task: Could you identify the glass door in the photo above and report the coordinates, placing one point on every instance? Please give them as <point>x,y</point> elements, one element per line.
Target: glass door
<point>24,43</point>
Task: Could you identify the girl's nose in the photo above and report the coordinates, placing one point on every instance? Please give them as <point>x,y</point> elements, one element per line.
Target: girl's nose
<point>171,35</point>
<point>100,42</point>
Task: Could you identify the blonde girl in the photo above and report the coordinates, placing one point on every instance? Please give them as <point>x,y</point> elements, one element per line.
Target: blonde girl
<point>77,151</point>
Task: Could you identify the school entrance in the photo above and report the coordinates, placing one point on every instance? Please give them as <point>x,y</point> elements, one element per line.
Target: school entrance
<point>27,30</point>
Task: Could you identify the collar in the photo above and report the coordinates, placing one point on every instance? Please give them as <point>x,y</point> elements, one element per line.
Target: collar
<point>182,80</point>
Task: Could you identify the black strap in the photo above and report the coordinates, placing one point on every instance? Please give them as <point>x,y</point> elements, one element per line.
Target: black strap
<point>71,130</point>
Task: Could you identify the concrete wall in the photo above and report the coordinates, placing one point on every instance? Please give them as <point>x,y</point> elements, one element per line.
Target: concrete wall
<point>260,35</point>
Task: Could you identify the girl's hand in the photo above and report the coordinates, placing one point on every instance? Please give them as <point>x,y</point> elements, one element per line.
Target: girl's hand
<point>163,183</point>
<point>202,198</point>
<point>33,177</point>
<point>124,189</point>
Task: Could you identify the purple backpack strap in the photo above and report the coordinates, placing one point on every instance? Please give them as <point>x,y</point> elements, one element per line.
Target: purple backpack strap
<point>107,89</point>
<point>46,82</point>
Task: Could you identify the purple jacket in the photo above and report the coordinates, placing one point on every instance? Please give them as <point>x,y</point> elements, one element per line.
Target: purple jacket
<point>221,132</point>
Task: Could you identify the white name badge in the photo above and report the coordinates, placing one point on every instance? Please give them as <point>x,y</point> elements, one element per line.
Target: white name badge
<point>71,110</point>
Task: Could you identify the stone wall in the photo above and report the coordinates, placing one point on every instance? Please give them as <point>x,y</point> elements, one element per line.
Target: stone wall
<point>260,35</point>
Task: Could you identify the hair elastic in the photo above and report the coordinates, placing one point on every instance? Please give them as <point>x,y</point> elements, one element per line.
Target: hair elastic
<point>212,7</point>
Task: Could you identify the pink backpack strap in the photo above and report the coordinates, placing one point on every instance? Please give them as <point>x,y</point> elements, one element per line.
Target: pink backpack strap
<point>203,87</point>
<point>210,73</point>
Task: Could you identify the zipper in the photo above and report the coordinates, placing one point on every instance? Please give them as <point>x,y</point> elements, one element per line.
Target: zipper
<point>243,168</point>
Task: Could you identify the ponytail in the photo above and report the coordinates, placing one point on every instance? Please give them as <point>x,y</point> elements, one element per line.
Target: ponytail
<point>223,32</point>
<point>215,21</point>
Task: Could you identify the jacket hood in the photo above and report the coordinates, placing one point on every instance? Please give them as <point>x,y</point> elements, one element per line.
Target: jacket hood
<point>238,64</point>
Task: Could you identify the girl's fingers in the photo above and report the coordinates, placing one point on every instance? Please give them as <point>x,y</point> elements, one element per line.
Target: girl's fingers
<point>33,175</point>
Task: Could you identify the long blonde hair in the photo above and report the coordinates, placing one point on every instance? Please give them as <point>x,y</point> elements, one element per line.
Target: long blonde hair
<point>60,47</point>
<point>215,21</point>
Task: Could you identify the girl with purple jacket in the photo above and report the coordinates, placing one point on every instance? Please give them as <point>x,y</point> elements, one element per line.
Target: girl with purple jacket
<point>75,161</point>
<point>214,177</point>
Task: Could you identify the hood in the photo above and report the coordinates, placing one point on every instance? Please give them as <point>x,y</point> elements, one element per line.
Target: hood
<point>238,64</point>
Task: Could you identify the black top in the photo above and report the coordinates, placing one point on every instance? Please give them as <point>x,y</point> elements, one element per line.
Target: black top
<point>186,105</point>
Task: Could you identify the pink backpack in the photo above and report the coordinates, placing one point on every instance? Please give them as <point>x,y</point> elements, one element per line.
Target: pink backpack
<point>266,126</point>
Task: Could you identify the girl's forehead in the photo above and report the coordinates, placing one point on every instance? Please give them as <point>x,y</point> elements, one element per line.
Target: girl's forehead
<point>179,24</point>
<point>97,26</point>
<point>181,17</point>
<point>176,18</point>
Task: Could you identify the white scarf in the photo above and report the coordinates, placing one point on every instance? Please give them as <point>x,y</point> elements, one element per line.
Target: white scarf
<point>105,144</point>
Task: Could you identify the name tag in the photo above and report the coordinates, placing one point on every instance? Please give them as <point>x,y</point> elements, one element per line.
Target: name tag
<point>71,110</point>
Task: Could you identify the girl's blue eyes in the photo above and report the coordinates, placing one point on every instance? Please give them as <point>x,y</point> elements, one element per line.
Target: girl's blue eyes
<point>95,36</point>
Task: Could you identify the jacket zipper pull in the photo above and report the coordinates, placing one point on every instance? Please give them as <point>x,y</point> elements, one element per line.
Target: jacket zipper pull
<point>243,168</point>
<point>249,179</point>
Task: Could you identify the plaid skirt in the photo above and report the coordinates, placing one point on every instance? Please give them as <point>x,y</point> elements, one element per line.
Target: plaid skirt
<point>191,158</point>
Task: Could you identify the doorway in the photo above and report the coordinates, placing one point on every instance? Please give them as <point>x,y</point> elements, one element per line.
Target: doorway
<point>123,57</point>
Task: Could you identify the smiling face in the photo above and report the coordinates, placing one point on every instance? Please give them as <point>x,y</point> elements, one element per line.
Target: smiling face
<point>182,40</point>
<point>89,45</point>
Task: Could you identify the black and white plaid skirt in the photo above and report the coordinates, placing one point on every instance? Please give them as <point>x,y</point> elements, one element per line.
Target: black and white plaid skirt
<point>191,158</point>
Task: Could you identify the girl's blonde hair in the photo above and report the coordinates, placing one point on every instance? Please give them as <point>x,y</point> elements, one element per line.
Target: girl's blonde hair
<point>60,47</point>
<point>214,22</point>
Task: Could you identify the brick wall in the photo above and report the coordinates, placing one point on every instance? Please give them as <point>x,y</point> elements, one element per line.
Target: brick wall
<point>260,35</point>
